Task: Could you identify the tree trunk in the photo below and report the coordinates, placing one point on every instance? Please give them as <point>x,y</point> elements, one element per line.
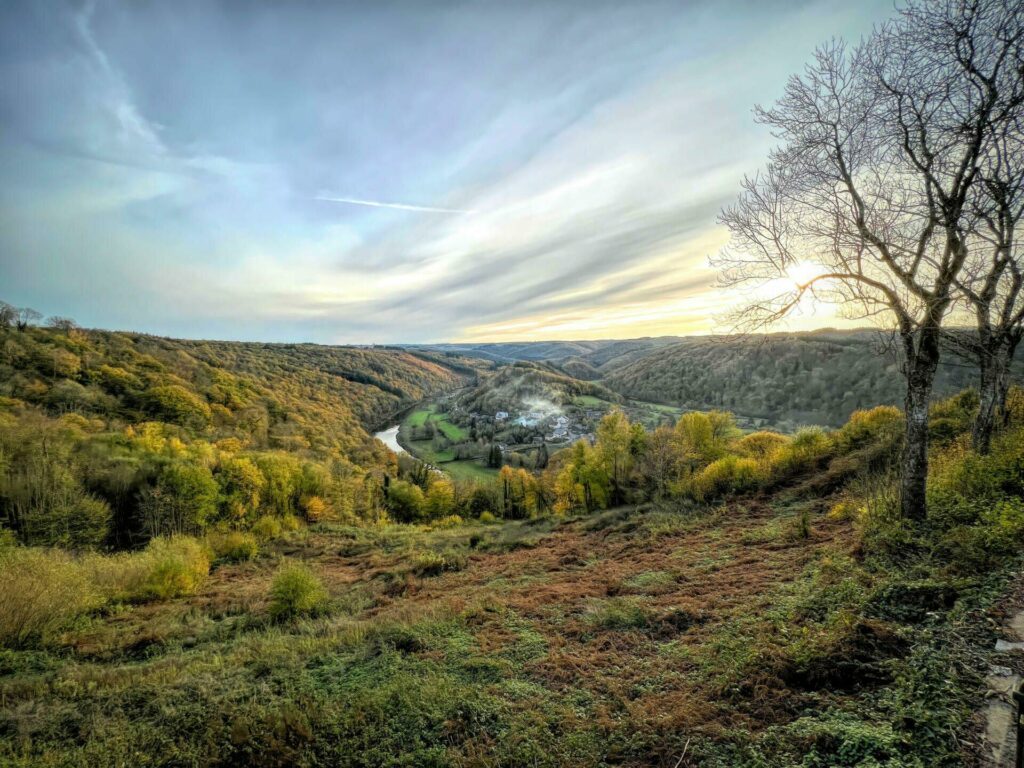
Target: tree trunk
<point>994,383</point>
<point>988,402</point>
<point>1003,385</point>
<point>921,364</point>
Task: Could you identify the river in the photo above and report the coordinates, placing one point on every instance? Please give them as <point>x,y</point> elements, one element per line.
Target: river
<point>389,437</point>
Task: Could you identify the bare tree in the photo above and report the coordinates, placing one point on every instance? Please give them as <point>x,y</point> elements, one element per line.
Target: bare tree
<point>993,279</point>
<point>65,324</point>
<point>27,316</point>
<point>875,183</point>
<point>8,315</point>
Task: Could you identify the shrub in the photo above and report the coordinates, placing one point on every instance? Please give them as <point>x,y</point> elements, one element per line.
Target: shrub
<point>44,590</point>
<point>761,445</point>
<point>882,423</point>
<point>731,474</point>
<point>963,486</point>
<point>233,546</point>
<point>998,533</point>
<point>290,523</point>
<point>487,517</point>
<point>450,521</point>
<point>953,416</point>
<point>435,563</point>
<point>297,591</point>
<point>807,448</point>
<point>172,568</point>
<point>267,527</point>
<point>74,519</point>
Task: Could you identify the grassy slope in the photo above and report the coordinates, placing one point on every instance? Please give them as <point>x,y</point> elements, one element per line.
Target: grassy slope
<point>616,639</point>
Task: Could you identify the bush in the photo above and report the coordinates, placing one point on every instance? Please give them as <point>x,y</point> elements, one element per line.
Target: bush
<point>172,567</point>
<point>808,446</point>
<point>44,591</point>
<point>267,528</point>
<point>731,474</point>
<point>761,445</point>
<point>450,521</point>
<point>963,486</point>
<point>487,517</point>
<point>953,416</point>
<point>233,546</point>
<point>435,563</point>
<point>297,591</point>
<point>882,423</point>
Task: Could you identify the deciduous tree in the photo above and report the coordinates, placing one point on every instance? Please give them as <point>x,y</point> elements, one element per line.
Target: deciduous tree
<point>876,180</point>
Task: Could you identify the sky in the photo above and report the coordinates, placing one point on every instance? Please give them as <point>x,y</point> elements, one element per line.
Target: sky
<point>360,172</point>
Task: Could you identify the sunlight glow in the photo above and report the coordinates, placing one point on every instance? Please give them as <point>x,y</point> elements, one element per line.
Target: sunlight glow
<point>803,272</point>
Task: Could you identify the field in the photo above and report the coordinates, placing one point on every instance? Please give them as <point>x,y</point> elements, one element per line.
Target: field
<point>429,414</point>
<point>629,637</point>
<point>424,450</point>
<point>468,469</point>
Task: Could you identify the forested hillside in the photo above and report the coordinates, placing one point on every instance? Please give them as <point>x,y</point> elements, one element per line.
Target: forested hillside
<point>786,380</point>
<point>116,437</point>
<point>816,378</point>
<point>524,382</point>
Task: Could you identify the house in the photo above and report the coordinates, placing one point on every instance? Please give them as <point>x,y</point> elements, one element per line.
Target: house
<point>501,416</point>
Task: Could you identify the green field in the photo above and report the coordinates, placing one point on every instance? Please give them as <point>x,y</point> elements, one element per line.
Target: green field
<point>424,450</point>
<point>589,401</point>
<point>429,413</point>
<point>419,417</point>
<point>463,469</point>
<point>467,469</point>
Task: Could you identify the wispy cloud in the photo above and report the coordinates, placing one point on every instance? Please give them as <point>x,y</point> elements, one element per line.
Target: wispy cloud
<point>398,206</point>
<point>570,164</point>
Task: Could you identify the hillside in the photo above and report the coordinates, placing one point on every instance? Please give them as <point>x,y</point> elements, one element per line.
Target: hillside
<point>595,352</point>
<point>112,438</point>
<point>293,396</point>
<point>516,387</point>
<point>779,380</point>
<point>763,611</point>
<point>789,380</point>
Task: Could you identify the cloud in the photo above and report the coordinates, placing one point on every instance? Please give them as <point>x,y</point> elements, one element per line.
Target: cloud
<point>177,162</point>
<point>397,206</point>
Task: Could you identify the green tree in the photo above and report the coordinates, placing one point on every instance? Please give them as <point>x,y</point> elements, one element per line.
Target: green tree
<point>241,487</point>
<point>183,500</point>
<point>405,501</point>
<point>178,405</point>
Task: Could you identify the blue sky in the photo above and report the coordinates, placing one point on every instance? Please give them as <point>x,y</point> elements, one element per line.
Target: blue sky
<point>375,172</point>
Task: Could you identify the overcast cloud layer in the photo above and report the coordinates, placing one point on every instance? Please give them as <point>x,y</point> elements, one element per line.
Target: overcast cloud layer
<point>373,172</point>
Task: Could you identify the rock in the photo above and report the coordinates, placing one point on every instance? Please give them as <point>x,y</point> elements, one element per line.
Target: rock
<point>1017,625</point>
<point>999,732</point>
<point>1005,645</point>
